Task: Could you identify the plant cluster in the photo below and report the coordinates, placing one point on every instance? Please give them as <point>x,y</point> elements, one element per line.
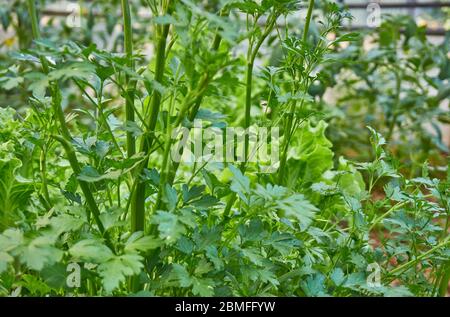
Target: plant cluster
<point>87,179</point>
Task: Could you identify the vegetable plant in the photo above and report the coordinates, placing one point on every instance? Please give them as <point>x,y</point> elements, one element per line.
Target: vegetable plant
<point>92,201</point>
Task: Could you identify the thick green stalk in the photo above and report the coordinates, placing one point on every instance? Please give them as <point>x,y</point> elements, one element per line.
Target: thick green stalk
<point>56,105</point>
<point>35,29</point>
<point>285,148</point>
<point>128,44</point>
<point>138,196</point>
<point>189,99</point>
<point>387,213</point>
<point>248,101</point>
<point>248,95</point>
<point>443,285</point>
<point>164,166</point>
<point>198,101</point>
<point>65,137</point>
<point>43,172</point>
<point>159,72</point>
<point>72,158</point>
<point>248,105</point>
<point>290,118</point>
<point>168,137</point>
<point>308,20</point>
<point>90,200</point>
<point>56,96</point>
<point>251,56</point>
<point>36,35</point>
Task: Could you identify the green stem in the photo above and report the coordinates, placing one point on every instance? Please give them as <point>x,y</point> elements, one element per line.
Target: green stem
<point>138,196</point>
<point>99,106</point>
<point>395,106</point>
<point>290,117</point>
<point>308,20</point>
<point>285,148</point>
<point>443,285</point>
<point>128,43</point>
<point>406,265</point>
<point>189,99</point>
<point>387,213</point>
<point>248,105</point>
<point>56,96</point>
<point>251,56</point>
<point>164,173</point>
<point>198,101</point>
<point>43,172</point>
<point>168,144</point>
<point>56,104</point>
<point>90,200</point>
<point>248,95</point>
<point>35,30</point>
<point>65,137</point>
<point>159,72</point>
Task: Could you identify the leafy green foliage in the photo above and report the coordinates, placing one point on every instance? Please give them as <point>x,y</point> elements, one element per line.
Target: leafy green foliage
<point>385,85</point>
<point>87,179</point>
<point>14,191</point>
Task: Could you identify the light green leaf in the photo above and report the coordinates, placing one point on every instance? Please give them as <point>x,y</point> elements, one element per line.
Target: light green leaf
<point>337,276</point>
<point>117,268</point>
<point>5,258</point>
<point>38,84</point>
<point>91,251</point>
<point>240,183</point>
<point>202,267</point>
<point>298,207</point>
<point>169,226</point>
<point>180,276</point>
<point>90,175</point>
<point>397,291</point>
<point>40,252</point>
<point>14,192</point>
<point>138,242</point>
<point>170,197</point>
<point>80,70</point>
<point>267,276</point>
<point>202,286</point>
<point>10,239</point>
<point>9,83</point>
<point>312,152</point>
<point>55,275</point>
<point>66,223</point>
<point>254,256</point>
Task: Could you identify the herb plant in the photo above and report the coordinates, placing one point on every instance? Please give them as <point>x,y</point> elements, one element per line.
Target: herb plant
<point>88,180</point>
